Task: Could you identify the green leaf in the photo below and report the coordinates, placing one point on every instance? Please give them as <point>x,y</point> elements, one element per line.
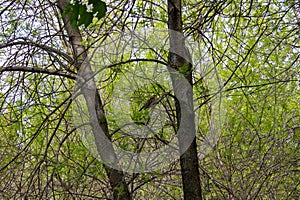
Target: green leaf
<point>79,14</point>
<point>99,7</point>
<point>85,17</point>
<point>74,14</point>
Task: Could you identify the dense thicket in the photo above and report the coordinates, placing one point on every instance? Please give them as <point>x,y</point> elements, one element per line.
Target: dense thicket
<point>245,55</point>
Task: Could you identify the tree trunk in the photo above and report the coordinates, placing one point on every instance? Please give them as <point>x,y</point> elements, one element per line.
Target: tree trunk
<point>180,60</point>
<point>96,110</point>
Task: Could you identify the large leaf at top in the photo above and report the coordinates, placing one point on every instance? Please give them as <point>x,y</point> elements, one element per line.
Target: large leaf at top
<point>79,14</point>
<point>99,7</point>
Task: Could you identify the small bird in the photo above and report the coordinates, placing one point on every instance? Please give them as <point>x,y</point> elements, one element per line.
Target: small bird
<point>149,103</point>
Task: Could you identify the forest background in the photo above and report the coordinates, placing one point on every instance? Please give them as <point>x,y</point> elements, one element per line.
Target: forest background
<point>238,108</point>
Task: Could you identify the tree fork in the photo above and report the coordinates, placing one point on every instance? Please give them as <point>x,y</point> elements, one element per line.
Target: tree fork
<point>95,108</point>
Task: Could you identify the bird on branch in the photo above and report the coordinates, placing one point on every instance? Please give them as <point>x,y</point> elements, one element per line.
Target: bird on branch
<point>152,101</point>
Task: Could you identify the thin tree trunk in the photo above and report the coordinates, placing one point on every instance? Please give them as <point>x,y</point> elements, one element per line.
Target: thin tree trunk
<point>96,111</point>
<point>180,60</point>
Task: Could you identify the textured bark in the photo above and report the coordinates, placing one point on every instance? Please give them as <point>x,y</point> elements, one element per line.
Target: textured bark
<point>96,110</point>
<point>179,57</point>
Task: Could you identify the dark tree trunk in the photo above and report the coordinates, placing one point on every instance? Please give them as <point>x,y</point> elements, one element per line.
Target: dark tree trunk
<point>180,60</point>
<point>96,111</point>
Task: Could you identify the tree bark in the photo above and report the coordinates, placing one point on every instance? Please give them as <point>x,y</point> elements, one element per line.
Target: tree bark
<point>96,111</point>
<point>180,61</point>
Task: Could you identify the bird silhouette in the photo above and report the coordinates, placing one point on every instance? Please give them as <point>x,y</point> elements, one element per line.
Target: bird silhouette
<point>149,103</point>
